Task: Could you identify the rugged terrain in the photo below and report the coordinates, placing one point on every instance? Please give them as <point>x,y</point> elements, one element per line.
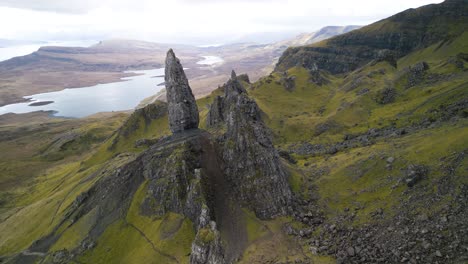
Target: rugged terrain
<point>177,181</point>
<point>310,164</point>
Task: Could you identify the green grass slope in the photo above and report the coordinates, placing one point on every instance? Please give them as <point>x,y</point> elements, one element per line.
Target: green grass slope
<point>65,158</point>
<point>356,137</point>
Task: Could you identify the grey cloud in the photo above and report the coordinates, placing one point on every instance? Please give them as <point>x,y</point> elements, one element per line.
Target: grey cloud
<point>59,6</point>
<point>83,6</point>
<point>225,1</point>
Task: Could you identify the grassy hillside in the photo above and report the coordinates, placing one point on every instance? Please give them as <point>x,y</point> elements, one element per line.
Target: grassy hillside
<point>376,144</point>
<point>61,160</point>
<point>376,155</point>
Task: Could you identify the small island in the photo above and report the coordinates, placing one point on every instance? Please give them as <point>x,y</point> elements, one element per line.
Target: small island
<point>41,103</point>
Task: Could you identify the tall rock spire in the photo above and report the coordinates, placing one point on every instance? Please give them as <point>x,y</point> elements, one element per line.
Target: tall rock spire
<point>183,110</point>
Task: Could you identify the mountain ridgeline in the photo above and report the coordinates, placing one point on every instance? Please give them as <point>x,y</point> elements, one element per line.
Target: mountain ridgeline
<point>390,39</point>
<point>353,150</point>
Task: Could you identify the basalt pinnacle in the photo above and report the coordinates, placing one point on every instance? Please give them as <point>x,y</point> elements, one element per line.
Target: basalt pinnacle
<point>182,108</point>
<point>252,165</point>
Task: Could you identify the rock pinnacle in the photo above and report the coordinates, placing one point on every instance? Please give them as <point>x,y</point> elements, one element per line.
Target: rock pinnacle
<point>182,108</point>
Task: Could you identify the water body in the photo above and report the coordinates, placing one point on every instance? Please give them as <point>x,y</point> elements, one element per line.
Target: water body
<point>210,60</point>
<point>21,50</point>
<point>81,102</point>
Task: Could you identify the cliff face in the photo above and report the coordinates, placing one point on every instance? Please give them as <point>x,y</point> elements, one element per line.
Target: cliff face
<point>399,34</point>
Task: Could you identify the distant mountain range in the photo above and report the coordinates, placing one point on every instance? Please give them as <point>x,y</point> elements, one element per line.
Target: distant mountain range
<point>313,37</point>
<point>49,68</point>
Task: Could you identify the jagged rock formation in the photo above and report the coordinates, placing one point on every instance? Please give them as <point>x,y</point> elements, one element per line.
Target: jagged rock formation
<point>190,173</point>
<point>183,111</point>
<point>252,165</point>
<point>243,160</point>
<point>180,179</point>
<point>175,177</point>
<point>415,74</point>
<point>207,247</point>
<point>316,76</point>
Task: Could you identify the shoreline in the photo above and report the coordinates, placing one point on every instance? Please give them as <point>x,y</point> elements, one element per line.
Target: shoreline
<point>110,78</point>
<point>39,101</point>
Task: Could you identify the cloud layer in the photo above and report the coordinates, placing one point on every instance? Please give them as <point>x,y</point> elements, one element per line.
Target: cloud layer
<point>190,21</point>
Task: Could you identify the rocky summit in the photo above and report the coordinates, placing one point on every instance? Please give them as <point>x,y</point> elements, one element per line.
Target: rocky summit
<point>183,111</point>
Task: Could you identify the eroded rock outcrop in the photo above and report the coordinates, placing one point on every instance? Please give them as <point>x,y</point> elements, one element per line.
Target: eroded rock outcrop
<point>315,76</point>
<point>192,173</point>
<point>207,247</point>
<point>183,111</point>
<point>174,177</point>
<point>416,74</point>
<point>180,177</point>
<point>252,164</point>
<point>215,115</point>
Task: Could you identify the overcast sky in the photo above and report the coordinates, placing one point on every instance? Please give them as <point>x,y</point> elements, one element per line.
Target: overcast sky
<point>184,21</point>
